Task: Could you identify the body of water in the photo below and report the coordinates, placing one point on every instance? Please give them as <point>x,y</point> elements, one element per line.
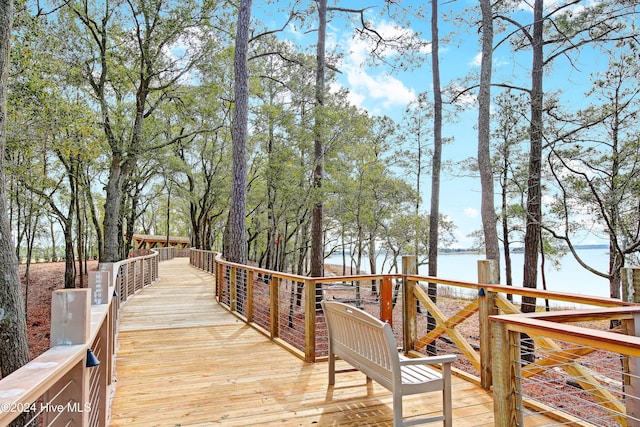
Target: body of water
<point>570,277</point>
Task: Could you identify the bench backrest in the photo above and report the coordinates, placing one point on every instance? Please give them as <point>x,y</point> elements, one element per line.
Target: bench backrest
<point>363,341</point>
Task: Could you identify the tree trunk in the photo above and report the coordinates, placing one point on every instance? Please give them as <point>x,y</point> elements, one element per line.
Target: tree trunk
<point>80,232</point>
<point>534,196</point>
<point>506,241</point>
<point>437,145</point>
<point>69,255</point>
<point>488,213</point>
<point>317,247</point>
<point>14,350</point>
<point>112,212</point>
<point>434,215</point>
<point>237,242</point>
<point>94,219</point>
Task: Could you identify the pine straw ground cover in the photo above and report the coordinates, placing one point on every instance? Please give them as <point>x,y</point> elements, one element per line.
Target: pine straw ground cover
<point>44,278</point>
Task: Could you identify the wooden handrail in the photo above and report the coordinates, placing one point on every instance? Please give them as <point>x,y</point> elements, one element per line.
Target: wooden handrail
<point>490,304</point>
<point>545,327</point>
<point>56,386</point>
<point>553,325</point>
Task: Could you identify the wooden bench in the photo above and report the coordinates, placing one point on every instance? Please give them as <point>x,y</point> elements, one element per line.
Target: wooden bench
<point>368,345</point>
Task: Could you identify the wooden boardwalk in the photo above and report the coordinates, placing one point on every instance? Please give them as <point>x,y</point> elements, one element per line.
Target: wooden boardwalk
<point>182,360</point>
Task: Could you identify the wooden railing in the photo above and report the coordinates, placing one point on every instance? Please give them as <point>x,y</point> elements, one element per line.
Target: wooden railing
<point>65,385</point>
<point>607,387</point>
<point>285,307</point>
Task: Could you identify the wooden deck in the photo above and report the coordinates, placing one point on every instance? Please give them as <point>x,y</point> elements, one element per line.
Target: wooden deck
<point>182,360</point>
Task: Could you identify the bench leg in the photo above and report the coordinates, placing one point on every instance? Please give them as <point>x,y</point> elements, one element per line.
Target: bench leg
<point>332,368</point>
<point>397,410</point>
<point>447,411</point>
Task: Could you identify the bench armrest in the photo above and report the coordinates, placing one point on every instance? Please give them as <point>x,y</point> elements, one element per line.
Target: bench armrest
<point>432,360</point>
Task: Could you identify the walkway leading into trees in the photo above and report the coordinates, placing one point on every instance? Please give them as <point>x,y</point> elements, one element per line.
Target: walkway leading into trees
<point>184,360</point>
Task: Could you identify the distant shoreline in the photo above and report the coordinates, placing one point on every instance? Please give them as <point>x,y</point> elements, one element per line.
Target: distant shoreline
<point>516,250</point>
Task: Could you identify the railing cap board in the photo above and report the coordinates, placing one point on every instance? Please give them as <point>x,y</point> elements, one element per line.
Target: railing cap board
<point>353,278</point>
<point>610,341</point>
<point>516,290</point>
<point>27,383</point>
<point>77,329</point>
<point>532,292</point>
<point>584,315</point>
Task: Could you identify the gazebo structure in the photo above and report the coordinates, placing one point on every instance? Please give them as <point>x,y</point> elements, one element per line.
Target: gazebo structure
<point>143,243</point>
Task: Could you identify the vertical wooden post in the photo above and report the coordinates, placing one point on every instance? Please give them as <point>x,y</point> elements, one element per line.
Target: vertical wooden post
<point>70,316</point>
<point>71,325</point>
<point>489,274</point>
<point>219,279</point>
<point>409,303</point>
<point>386,300</point>
<point>507,399</point>
<point>233,291</point>
<point>274,306</point>
<point>102,349</point>
<point>99,285</point>
<point>112,282</point>
<point>128,274</point>
<point>310,310</point>
<point>631,367</point>
<point>249,307</point>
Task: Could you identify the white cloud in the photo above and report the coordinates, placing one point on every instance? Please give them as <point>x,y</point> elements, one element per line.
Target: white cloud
<point>477,60</point>
<point>368,86</point>
<point>471,212</point>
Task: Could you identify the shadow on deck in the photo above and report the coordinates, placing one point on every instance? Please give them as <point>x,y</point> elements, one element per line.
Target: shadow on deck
<point>184,360</point>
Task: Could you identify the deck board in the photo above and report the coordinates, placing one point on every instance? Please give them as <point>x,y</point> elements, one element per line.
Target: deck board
<point>182,360</point>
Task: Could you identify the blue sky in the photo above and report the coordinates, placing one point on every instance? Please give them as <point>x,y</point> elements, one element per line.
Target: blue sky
<point>381,92</point>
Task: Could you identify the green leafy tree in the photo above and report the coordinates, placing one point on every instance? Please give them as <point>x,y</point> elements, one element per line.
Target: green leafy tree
<point>14,351</point>
<point>132,56</point>
<point>596,167</point>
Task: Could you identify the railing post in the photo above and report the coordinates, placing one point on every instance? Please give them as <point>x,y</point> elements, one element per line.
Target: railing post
<point>249,308</point>
<point>507,399</point>
<point>409,302</point>
<point>71,325</point>
<point>103,347</point>
<point>233,290</point>
<point>386,300</point>
<point>219,278</point>
<point>310,320</point>
<point>632,372</point>
<point>488,273</point>
<point>274,306</point>
<point>99,285</point>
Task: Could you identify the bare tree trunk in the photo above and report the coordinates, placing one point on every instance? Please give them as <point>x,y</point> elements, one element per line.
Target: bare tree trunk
<point>94,218</point>
<point>317,247</point>
<point>437,144</point>
<point>168,214</point>
<point>112,214</point>
<point>14,350</point>
<point>237,237</point>
<point>488,213</point>
<point>506,241</point>
<point>534,196</point>
<point>79,223</point>
<point>434,215</point>
<point>53,257</point>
